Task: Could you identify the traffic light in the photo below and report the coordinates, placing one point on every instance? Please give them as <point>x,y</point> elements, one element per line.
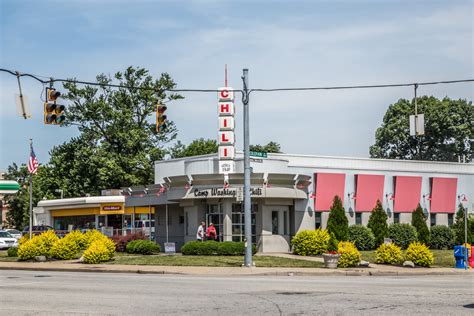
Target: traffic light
<point>53,112</point>
<point>161,123</point>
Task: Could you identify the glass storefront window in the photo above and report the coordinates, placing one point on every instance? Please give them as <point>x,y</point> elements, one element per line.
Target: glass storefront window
<point>238,222</point>
<point>214,215</point>
<point>74,222</point>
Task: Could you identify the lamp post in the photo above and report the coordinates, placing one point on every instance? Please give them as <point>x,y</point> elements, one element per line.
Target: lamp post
<point>462,198</point>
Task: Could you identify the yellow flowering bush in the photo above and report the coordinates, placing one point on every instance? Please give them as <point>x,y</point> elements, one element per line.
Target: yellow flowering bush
<point>23,239</point>
<point>388,253</point>
<point>419,254</point>
<point>65,249</point>
<point>97,252</point>
<point>38,246</point>
<point>350,256</point>
<point>92,236</point>
<point>310,242</point>
<point>78,238</point>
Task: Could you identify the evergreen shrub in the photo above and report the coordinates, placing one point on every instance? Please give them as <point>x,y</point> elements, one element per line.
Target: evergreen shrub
<point>419,254</point>
<point>402,235</point>
<point>144,247</point>
<point>350,256</point>
<point>388,254</point>
<point>211,247</point>
<point>378,223</point>
<point>362,237</point>
<point>310,242</point>
<point>338,223</point>
<point>442,237</point>
<point>418,220</point>
<point>458,227</point>
<point>12,252</point>
<point>200,248</point>
<point>122,241</point>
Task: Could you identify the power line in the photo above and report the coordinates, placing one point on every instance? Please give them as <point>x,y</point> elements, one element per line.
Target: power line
<point>53,80</point>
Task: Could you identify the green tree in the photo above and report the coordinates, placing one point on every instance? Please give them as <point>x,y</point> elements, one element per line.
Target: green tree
<point>271,147</point>
<point>19,203</point>
<point>118,142</point>
<point>449,131</point>
<point>378,223</point>
<point>197,147</point>
<point>418,220</point>
<point>458,227</point>
<point>337,220</point>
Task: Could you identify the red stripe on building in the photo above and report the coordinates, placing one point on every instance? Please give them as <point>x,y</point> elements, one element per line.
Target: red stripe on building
<point>407,194</point>
<point>328,185</point>
<point>443,195</point>
<point>369,189</point>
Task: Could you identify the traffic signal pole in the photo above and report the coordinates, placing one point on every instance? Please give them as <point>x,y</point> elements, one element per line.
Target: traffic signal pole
<point>247,202</point>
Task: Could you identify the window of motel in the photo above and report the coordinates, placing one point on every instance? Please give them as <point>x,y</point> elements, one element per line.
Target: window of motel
<point>358,218</point>
<point>396,218</point>
<point>317,220</point>
<point>432,219</point>
<point>450,220</point>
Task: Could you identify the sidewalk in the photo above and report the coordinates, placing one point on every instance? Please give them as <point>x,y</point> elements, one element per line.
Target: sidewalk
<point>373,270</point>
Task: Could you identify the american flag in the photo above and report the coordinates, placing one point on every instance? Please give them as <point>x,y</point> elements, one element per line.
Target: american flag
<point>33,162</point>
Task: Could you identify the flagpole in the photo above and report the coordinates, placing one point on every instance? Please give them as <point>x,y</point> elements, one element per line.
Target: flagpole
<point>31,197</point>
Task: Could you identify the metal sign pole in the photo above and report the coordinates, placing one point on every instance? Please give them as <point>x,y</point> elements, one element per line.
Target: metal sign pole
<point>31,198</point>
<point>247,201</point>
<point>166,222</point>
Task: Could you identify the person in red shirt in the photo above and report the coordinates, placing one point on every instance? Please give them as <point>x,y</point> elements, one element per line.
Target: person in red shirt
<point>211,232</point>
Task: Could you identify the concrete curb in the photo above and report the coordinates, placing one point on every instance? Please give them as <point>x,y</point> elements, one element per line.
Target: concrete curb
<point>234,272</point>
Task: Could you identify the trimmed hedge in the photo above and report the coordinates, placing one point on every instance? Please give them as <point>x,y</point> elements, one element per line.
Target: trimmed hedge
<point>144,247</point>
<point>122,241</point>
<point>402,235</point>
<point>362,237</point>
<point>311,242</point>
<point>211,247</point>
<point>442,237</point>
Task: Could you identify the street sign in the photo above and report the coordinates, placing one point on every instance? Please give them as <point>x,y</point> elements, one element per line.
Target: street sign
<point>259,154</point>
<point>240,194</point>
<point>9,187</point>
<point>170,247</point>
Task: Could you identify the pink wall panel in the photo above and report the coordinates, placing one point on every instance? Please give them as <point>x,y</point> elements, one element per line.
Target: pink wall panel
<point>443,195</point>
<point>407,194</point>
<point>328,185</point>
<point>369,190</point>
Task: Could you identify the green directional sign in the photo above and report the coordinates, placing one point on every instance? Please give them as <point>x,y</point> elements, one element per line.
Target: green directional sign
<point>259,154</point>
<point>9,187</point>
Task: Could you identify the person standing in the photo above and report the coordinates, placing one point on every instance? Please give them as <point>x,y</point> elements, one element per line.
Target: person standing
<point>201,232</point>
<point>211,232</point>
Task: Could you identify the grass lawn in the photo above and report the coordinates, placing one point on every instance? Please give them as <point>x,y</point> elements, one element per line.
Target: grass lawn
<point>4,256</point>
<point>212,261</point>
<point>442,258</point>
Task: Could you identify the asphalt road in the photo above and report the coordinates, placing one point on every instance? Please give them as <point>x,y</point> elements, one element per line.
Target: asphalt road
<point>52,293</point>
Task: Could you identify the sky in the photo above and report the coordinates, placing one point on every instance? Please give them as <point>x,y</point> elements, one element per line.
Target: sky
<point>282,43</point>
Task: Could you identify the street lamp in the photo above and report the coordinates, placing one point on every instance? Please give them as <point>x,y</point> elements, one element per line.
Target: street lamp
<point>462,199</point>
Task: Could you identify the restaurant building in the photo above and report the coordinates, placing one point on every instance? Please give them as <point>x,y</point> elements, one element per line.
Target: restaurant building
<point>289,193</point>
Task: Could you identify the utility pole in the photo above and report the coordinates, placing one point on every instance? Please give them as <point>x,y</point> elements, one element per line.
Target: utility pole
<point>247,202</point>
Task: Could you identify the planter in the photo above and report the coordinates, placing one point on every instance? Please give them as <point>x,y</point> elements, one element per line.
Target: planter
<point>330,260</point>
